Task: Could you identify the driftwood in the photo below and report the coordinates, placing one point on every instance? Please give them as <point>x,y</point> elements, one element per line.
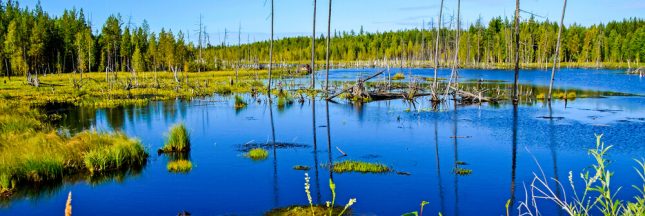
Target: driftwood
<point>479,97</point>
<point>358,83</point>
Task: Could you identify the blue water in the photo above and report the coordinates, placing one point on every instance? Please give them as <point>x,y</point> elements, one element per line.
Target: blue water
<point>416,141</point>
<point>589,79</point>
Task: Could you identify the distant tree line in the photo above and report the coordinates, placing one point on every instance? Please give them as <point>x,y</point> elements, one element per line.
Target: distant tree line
<point>33,42</point>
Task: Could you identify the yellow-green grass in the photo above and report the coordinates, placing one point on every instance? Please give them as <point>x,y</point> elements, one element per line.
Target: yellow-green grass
<point>298,210</point>
<point>95,91</point>
<point>179,166</point>
<point>178,140</point>
<point>359,166</point>
<point>257,154</point>
<point>32,152</point>
<point>239,102</point>
<point>462,171</point>
<point>398,76</point>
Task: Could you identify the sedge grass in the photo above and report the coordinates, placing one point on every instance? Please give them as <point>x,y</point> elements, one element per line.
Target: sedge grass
<point>178,140</point>
<point>257,154</point>
<point>398,76</point>
<point>32,152</point>
<point>239,102</point>
<point>179,166</point>
<point>359,166</point>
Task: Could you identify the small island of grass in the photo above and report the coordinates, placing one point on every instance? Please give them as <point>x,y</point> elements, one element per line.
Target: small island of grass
<point>257,154</point>
<point>179,166</point>
<point>359,166</point>
<point>178,140</point>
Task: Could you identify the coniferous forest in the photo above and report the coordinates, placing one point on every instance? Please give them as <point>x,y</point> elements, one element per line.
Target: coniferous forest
<point>32,41</point>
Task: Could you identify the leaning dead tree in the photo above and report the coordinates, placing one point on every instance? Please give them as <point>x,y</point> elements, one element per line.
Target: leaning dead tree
<point>357,89</point>
<point>557,50</point>
<point>436,56</point>
<point>517,51</point>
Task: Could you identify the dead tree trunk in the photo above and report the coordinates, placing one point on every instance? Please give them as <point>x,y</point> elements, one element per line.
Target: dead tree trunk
<point>436,56</point>
<point>517,50</point>
<point>313,51</point>
<point>327,57</point>
<point>271,51</point>
<point>358,83</point>
<point>557,51</point>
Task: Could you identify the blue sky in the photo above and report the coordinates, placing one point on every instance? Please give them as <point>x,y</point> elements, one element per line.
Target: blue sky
<point>293,17</point>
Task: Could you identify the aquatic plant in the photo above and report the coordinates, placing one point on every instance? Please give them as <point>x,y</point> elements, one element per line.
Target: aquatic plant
<point>597,194</point>
<point>359,166</point>
<point>461,163</point>
<point>117,151</point>
<point>239,102</point>
<point>462,171</point>
<point>301,167</point>
<point>420,212</point>
<point>179,166</point>
<point>178,140</point>
<point>257,154</point>
<point>398,76</point>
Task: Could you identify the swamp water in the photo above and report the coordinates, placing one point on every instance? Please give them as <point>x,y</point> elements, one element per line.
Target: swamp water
<point>499,143</point>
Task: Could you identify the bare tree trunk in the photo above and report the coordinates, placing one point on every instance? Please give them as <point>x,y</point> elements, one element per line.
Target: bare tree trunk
<point>313,51</point>
<point>327,57</point>
<point>271,51</point>
<point>557,50</point>
<point>517,51</point>
<point>436,55</point>
<point>455,66</point>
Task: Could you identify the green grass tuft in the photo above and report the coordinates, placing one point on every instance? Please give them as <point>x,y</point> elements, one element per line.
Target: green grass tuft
<point>179,166</point>
<point>257,154</point>
<point>178,140</point>
<point>298,210</point>
<point>359,166</point>
<point>462,171</point>
<point>239,102</point>
<point>398,76</point>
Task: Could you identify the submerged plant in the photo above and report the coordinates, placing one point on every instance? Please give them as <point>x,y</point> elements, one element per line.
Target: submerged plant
<point>239,102</point>
<point>178,140</point>
<point>359,166</point>
<point>257,154</point>
<point>301,167</point>
<point>420,212</point>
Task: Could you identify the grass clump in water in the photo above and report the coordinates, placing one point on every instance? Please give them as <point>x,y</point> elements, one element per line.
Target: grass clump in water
<point>178,140</point>
<point>301,167</point>
<point>179,166</point>
<point>398,76</point>
<point>359,166</point>
<point>257,154</point>
<point>462,171</point>
<point>116,152</point>
<point>239,102</point>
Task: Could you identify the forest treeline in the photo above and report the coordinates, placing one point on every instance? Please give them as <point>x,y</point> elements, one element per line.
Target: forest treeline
<point>32,41</point>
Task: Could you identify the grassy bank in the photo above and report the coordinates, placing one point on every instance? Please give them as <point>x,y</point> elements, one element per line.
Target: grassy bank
<point>98,89</point>
<point>32,152</point>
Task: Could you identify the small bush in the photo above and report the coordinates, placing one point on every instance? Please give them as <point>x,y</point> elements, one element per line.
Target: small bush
<point>178,140</point>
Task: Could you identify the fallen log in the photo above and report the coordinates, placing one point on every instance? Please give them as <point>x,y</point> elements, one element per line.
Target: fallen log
<point>359,82</point>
